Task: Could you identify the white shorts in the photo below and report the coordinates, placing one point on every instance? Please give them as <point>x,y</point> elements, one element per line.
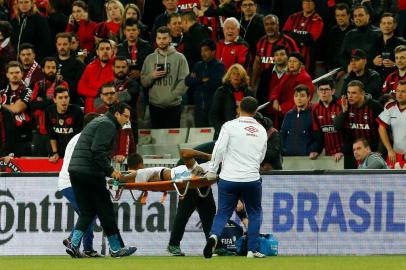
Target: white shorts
<point>183,172</point>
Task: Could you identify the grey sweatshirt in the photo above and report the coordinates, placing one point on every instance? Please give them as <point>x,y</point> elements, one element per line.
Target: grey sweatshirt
<point>168,90</point>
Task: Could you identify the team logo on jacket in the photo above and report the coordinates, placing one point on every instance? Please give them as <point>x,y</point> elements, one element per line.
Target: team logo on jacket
<point>251,129</point>
<point>365,116</point>
<point>61,121</point>
<point>69,121</point>
<point>232,52</point>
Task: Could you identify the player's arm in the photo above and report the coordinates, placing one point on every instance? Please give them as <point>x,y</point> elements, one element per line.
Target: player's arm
<point>192,153</point>
<point>129,178</point>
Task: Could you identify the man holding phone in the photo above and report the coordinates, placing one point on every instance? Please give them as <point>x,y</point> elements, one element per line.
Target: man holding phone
<point>163,73</point>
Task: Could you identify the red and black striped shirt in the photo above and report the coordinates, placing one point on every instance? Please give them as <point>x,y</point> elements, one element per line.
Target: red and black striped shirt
<point>391,82</point>
<point>264,49</point>
<point>300,25</point>
<point>323,118</point>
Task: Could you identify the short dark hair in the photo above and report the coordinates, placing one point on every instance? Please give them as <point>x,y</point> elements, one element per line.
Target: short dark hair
<point>343,6</point>
<point>279,48</point>
<point>119,107</point>
<point>89,117</point>
<point>81,4</point>
<point>5,29</point>
<point>189,15</point>
<point>302,88</point>
<point>388,14</point>
<point>131,22</point>
<point>249,105</point>
<point>14,64</point>
<point>64,35</point>
<point>49,59</point>
<point>163,30</point>
<point>385,98</point>
<point>134,160</point>
<point>402,82</point>
<point>356,83</point>
<point>360,7</point>
<point>26,46</point>
<point>120,58</point>
<point>209,43</point>
<point>104,40</point>
<point>327,81</point>
<point>106,85</point>
<point>60,89</point>
<point>173,15</point>
<point>364,141</point>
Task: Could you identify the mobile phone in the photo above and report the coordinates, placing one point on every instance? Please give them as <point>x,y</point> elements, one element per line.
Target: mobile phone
<point>385,55</point>
<point>160,67</point>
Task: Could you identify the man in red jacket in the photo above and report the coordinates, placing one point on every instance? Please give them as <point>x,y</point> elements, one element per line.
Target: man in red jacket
<point>282,95</point>
<point>98,72</point>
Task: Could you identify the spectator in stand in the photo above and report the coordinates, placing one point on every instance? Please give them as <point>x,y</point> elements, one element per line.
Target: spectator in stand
<point>132,11</point>
<point>401,18</point>
<point>42,97</point>
<point>16,98</point>
<point>227,97</point>
<point>285,8</point>
<point>252,26</point>
<point>150,10</point>
<point>69,68</point>
<point>324,112</point>
<point>394,116</point>
<point>133,48</point>
<point>306,27</point>
<point>384,61</point>
<point>194,34</point>
<point>115,12</point>
<point>375,8</point>
<point>366,159</point>
<point>124,143</point>
<point>57,20</point>
<point>32,71</point>
<point>337,33</point>
<point>204,79</point>
<point>225,8</point>
<point>164,73</point>
<point>30,27</point>
<point>80,24</point>
<point>187,5</point>
<point>360,71</point>
<point>391,82</point>
<point>264,58</point>
<point>175,27</point>
<point>296,131</point>
<point>98,72</point>
<point>171,7</point>
<point>357,120</point>
<point>62,121</point>
<point>364,36</point>
<point>282,96</point>
<point>211,22</point>
<point>232,49</point>
<point>7,52</point>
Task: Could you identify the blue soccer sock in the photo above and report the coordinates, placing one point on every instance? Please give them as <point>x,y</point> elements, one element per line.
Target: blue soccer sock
<point>76,237</point>
<point>114,242</point>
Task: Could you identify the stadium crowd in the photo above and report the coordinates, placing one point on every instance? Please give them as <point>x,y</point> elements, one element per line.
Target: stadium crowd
<point>57,56</point>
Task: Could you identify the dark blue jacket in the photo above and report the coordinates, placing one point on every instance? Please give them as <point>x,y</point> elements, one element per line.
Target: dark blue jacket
<point>297,133</point>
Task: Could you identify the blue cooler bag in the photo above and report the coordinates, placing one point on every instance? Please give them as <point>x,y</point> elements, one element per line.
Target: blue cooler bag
<point>268,245</point>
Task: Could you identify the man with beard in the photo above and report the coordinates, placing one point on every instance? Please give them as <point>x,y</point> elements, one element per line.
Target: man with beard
<point>124,143</point>
<point>164,73</point>
<point>98,72</point>
<point>134,48</point>
<point>62,121</point>
<point>69,67</point>
<point>42,97</point>
<point>15,99</point>
<point>31,69</point>
<point>264,60</point>
<point>128,90</point>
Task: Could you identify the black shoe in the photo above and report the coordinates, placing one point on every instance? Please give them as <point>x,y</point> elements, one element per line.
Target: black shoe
<point>123,252</point>
<point>92,254</point>
<point>210,245</point>
<point>73,251</point>
<point>175,251</point>
<point>66,242</point>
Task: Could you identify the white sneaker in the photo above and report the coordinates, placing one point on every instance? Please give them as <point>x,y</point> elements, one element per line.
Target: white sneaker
<point>256,254</point>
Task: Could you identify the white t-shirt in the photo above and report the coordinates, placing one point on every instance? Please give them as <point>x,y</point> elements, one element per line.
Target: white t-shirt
<point>241,147</point>
<point>395,118</point>
<point>64,178</point>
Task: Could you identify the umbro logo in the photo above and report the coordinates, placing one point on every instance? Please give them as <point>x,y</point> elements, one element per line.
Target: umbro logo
<point>251,129</point>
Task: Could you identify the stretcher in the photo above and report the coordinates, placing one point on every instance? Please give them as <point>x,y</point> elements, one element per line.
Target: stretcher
<point>180,185</point>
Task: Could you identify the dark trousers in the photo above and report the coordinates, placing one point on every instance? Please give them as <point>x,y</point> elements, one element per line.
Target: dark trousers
<point>93,200</point>
<point>165,118</point>
<point>206,208</point>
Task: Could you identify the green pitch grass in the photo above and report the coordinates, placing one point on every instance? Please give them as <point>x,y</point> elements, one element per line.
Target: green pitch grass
<point>199,263</point>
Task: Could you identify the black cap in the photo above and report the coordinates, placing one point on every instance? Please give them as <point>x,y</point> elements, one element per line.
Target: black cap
<point>298,56</point>
<point>358,54</point>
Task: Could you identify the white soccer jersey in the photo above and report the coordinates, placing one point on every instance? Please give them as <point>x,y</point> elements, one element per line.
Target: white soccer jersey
<point>64,179</point>
<point>395,118</point>
<point>148,174</point>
